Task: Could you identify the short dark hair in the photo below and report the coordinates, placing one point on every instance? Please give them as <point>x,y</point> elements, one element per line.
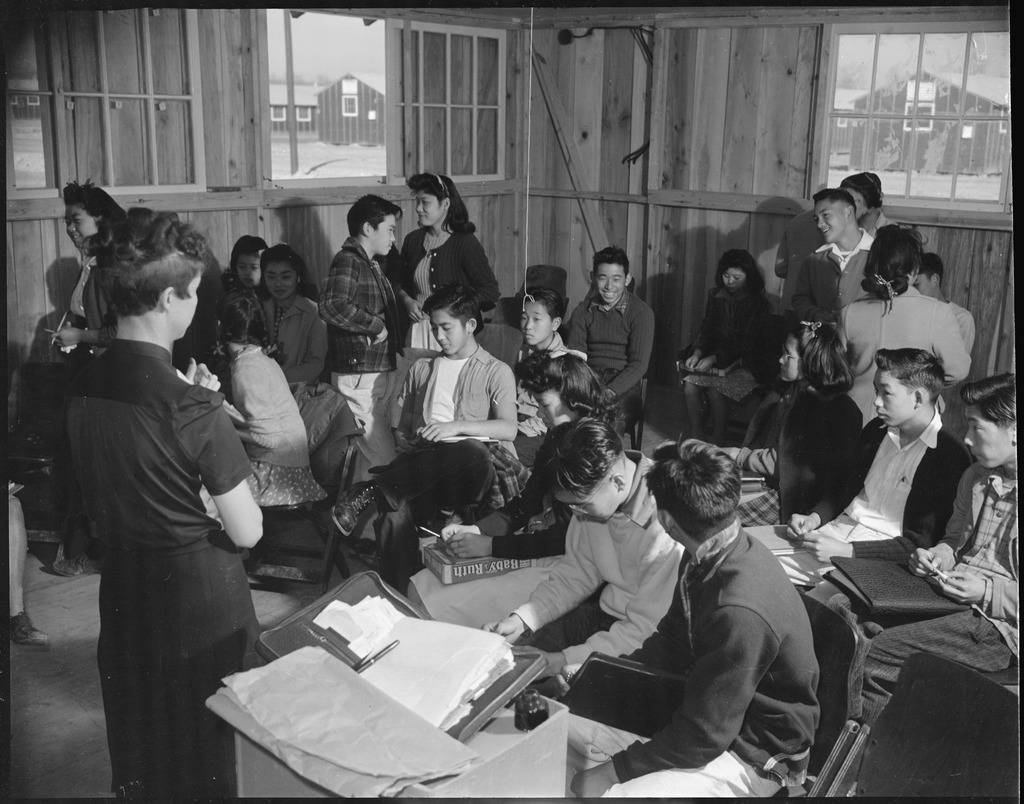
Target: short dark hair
<point>244,246</point>
<point>442,187</point>
<point>241,319</point>
<point>914,368</point>
<point>550,299</point>
<point>371,209</point>
<point>576,384</point>
<point>744,260</point>
<point>584,456</point>
<point>147,253</point>
<point>94,200</point>
<point>931,265</point>
<point>893,259</point>
<point>697,484</point>
<point>823,357</point>
<point>834,194</point>
<point>282,252</point>
<point>994,397</point>
<point>460,301</point>
<point>610,255</point>
<point>868,185</point>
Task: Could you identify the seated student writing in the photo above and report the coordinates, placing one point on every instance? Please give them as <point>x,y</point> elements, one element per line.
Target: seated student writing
<point>975,563</point>
<point>803,437</point>
<point>738,632</point>
<point>543,310</point>
<point>265,413</point>
<point>532,525</point>
<point>457,422</point>
<point>900,494</point>
<point>613,540</point>
<point>616,331</point>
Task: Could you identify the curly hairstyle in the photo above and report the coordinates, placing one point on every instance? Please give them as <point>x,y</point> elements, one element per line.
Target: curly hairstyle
<point>994,397</point>
<point>241,320</point>
<point>868,185</point>
<point>698,484</point>
<point>822,357</point>
<point>576,384</point>
<point>94,200</point>
<point>442,187</point>
<point>282,252</point>
<point>149,252</point>
<point>893,261</point>
<point>744,260</point>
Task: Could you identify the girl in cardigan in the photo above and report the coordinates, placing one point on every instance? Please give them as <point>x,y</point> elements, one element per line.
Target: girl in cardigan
<point>733,332</point>
<point>442,251</point>
<point>265,413</point>
<point>803,437</point>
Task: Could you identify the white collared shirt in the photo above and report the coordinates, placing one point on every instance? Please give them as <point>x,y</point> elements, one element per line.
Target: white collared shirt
<point>880,504</point>
<point>864,244</point>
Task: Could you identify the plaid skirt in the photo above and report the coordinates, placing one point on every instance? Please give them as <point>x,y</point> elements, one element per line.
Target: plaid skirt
<point>510,477</point>
<point>762,510</point>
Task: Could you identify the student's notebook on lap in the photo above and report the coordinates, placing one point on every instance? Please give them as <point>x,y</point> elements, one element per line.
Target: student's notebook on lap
<point>624,694</point>
<point>889,588</point>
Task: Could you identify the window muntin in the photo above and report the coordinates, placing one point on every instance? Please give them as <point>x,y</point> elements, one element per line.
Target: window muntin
<point>925,110</point>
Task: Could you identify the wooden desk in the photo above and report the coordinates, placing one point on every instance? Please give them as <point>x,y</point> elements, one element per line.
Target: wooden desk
<point>515,763</point>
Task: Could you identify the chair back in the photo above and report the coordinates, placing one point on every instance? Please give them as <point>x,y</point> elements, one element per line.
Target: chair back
<point>547,276</point>
<point>947,731</point>
<point>835,646</point>
<point>502,341</point>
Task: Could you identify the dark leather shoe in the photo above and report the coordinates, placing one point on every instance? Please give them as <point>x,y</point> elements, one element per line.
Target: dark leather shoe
<point>351,504</point>
<point>24,633</point>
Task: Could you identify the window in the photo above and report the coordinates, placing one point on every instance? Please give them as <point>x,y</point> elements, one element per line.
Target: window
<point>278,114</point>
<point>126,114</point>
<point>927,110</point>
<point>456,93</point>
<point>303,114</point>
<point>349,107</point>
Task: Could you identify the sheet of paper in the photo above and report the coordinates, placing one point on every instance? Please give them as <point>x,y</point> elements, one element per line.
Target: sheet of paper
<point>365,625</point>
<point>319,711</point>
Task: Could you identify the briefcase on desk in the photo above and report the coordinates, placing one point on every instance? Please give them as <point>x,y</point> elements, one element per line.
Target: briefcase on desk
<point>625,694</point>
<point>295,632</point>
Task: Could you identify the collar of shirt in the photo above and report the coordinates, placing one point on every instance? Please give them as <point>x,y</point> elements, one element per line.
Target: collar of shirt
<point>716,544</point>
<point>929,436</point>
<point>621,306</point>
<point>864,244</point>
<point>1002,486</point>
<point>639,504</point>
<point>356,246</point>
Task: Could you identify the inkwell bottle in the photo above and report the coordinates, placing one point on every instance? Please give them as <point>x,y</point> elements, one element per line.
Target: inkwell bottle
<point>531,710</point>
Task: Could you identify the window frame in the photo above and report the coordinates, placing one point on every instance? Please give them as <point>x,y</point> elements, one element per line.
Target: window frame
<point>825,114</point>
<point>283,110</point>
<point>299,110</point>
<point>57,97</point>
<point>355,107</point>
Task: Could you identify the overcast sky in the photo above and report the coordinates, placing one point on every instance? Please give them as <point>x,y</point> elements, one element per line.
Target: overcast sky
<point>325,44</point>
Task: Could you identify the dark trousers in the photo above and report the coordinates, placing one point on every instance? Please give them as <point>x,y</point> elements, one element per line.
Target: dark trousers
<point>964,637</point>
<point>417,484</point>
<point>630,403</point>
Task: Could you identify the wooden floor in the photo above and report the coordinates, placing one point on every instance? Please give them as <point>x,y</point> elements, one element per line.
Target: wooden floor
<point>58,736</point>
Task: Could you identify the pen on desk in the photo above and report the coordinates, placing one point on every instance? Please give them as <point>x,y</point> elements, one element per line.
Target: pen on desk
<point>369,660</point>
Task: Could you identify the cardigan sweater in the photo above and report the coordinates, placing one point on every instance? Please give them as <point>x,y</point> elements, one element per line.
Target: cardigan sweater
<point>302,338</point>
<point>744,644</point>
<point>460,258</point>
<point>805,444</point>
<point>618,340</point>
<point>733,329</point>
<point>929,504</point>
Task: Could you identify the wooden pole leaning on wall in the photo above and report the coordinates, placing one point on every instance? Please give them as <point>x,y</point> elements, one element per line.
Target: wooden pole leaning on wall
<point>592,222</point>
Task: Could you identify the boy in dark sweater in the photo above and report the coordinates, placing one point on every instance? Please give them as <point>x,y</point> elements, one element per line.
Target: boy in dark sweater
<point>615,330</point>
<point>738,631</point>
<point>901,494</point>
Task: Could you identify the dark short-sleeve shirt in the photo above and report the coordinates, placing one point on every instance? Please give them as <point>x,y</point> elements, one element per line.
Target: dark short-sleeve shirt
<point>143,443</point>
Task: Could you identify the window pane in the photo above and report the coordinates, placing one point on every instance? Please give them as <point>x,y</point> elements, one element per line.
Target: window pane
<point>333,56</point>
<point>81,63</point>
<point>942,71</point>
<point>988,75</point>
<point>175,162</point>
<point>410,147</point>
<point>434,71</point>
<point>84,134</point>
<point>885,152</point>
<point>487,72</point>
<point>843,130</point>
<point>935,142</point>
<point>462,142</point>
<point>168,51</point>
<point>462,70</point>
<point>435,140</point>
<point>128,142</point>
<point>487,141</point>
<point>25,55</point>
<point>983,150</point>
<point>853,72</point>
<point>123,45</point>
<point>897,65</point>
<point>32,142</point>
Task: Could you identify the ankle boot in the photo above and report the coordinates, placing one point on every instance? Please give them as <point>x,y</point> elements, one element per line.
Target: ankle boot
<point>351,503</point>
